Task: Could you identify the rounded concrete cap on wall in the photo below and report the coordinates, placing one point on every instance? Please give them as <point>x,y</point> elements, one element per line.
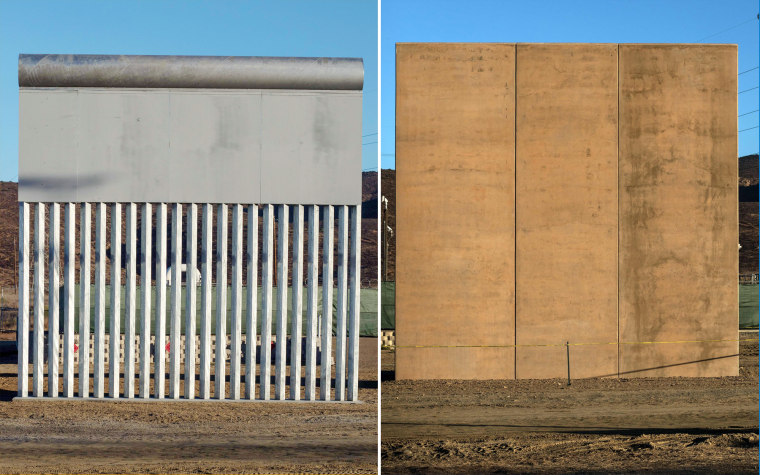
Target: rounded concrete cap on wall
<point>207,72</point>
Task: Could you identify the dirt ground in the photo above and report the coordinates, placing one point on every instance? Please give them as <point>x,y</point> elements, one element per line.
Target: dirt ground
<point>189,437</point>
<point>641,425</point>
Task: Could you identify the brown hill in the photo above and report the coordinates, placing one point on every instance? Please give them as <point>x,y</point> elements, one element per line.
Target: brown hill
<point>748,170</point>
<point>8,233</point>
<point>748,214</point>
<point>388,269</point>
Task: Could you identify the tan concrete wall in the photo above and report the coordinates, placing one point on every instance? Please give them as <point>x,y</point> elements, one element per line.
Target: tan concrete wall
<point>455,210</point>
<point>566,201</point>
<point>678,209</point>
<point>623,223</point>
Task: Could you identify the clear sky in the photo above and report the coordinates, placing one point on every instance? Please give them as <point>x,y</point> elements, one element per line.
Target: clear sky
<point>341,28</point>
<point>581,21</point>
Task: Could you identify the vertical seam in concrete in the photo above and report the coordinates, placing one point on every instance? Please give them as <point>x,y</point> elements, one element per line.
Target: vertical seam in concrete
<point>514,202</point>
<point>618,210</point>
<point>261,139</point>
<point>380,218</point>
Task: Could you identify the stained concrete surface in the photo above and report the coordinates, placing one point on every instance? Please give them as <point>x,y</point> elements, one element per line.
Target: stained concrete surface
<point>625,232</point>
<point>566,189</point>
<point>678,209</point>
<point>189,146</point>
<point>455,211</point>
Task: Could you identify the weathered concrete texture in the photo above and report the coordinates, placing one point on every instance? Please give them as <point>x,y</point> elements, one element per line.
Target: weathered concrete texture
<point>566,206</point>
<point>189,146</point>
<point>678,209</point>
<point>455,212</point>
<point>594,184</point>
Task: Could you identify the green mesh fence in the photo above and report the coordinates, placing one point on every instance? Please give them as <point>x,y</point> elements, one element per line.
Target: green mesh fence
<point>748,306</point>
<point>388,306</point>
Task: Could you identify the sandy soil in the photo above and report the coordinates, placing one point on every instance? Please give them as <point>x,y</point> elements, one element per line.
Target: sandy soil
<point>642,425</point>
<point>189,437</point>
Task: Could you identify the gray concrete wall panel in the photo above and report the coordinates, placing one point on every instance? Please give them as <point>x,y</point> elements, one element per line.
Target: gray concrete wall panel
<point>302,156</point>
<point>222,143</point>
<point>182,145</point>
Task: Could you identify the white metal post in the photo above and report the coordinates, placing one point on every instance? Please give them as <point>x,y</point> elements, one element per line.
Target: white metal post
<point>282,304</point>
<point>265,367</point>
<point>69,286</point>
<point>237,300</point>
<point>129,323</point>
<point>54,270</point>
<point>23,300</point>
<point>221,302</point>
<point>100,300</point>
<point>145,287</point>
<point>159,352</point>
<point>190,284</point>
<point>206,242</point>
<point>39,300</point>
<point>296,304</point>
<point>176,315</point>
<point>114,366</point>
<point>251,301</point>
<point>327,292</point>
<point>354,272</point>
<point>311,303</point>
<point>340,333</point>
<point>84,300</point>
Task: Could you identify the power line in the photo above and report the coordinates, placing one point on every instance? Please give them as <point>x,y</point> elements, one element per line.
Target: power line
<point>369,143</point>
<point>750,89</point>
<point>727,29</point>
<point>743,130</point>
<point>369,135</point>
<point>748,70</point>
<point>748,113</point>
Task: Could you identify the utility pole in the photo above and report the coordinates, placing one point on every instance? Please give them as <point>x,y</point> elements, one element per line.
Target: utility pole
<point>385,238</point>
<point>389,235</point>
<point>15,265</point>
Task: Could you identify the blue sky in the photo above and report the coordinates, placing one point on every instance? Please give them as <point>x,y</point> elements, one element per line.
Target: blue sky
<point>343,28</point>
<point>583,21</point>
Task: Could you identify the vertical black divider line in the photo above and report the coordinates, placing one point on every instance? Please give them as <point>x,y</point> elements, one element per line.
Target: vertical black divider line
<point>514,200</point>
<point>395,254</point>
<point>618,210</point>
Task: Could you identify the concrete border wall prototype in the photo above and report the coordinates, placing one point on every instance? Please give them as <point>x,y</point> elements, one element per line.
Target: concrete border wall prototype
<point>207,149</point>
<point>551,197</point>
